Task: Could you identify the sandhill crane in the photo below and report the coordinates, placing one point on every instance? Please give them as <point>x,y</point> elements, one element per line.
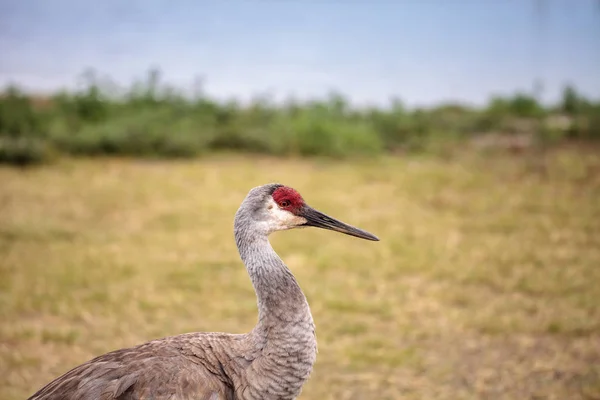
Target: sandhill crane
<point>273,361</point>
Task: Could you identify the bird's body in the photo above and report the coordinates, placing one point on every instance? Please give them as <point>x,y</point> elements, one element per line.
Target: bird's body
<point>272,361</point>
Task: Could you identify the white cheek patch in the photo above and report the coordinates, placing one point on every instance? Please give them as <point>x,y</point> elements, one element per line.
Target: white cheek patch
<point>281,219</point>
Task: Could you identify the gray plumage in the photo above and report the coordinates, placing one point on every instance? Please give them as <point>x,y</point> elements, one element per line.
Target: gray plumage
<point>272,361</point>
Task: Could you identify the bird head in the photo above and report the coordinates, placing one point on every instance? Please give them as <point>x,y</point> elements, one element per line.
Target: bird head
<point>277,207</point>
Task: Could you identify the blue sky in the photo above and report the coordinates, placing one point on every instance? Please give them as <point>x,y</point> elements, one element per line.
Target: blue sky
<point>420,51</point>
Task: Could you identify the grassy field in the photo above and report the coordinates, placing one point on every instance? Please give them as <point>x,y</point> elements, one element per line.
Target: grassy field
<point>485,285</point>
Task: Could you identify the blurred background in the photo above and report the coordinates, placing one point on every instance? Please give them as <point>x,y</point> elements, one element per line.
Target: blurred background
<point>465,134</point>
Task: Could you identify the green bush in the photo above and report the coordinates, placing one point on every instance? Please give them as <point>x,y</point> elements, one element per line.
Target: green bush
<point>316,134</point>
<point>23,151</point>
<point>152,119</point>
<point>145,133</point>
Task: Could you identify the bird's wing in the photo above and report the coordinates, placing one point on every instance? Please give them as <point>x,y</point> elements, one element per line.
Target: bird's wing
<point>157,370</point>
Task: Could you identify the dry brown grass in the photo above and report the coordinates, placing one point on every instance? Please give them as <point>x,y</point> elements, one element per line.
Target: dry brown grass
<point>485,284</point>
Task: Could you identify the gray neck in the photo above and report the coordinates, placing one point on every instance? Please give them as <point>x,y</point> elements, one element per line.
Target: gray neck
<point>279,297</point>
<point>284,336</point>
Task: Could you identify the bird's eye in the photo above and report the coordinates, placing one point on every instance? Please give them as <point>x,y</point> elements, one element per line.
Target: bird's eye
<point>285,203</point>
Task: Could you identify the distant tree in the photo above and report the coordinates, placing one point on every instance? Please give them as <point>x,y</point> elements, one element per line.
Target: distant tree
<point>17,116</point>
<point>524,106</point>
<point>571,101</point>
<point>337,103</point>
<point>498,106</point>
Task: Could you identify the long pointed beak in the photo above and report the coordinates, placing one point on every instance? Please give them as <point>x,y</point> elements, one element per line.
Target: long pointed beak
<point>319,220</point>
